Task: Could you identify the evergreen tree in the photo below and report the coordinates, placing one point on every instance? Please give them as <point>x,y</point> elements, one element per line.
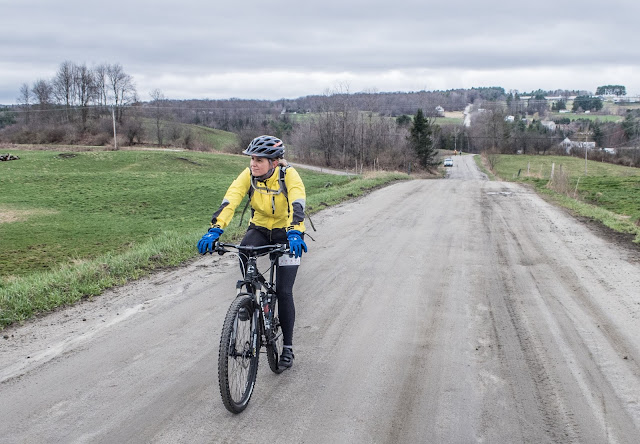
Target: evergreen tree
<point>630,126</point>
<point>618,90</point>
<point>7,117</point>
<point>587,103</point>
<point>598,133</point>
<point>403,120</point>
<point>421,140</point>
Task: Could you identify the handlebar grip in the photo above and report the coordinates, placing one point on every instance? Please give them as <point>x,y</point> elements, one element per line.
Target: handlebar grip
<point>218,248</point>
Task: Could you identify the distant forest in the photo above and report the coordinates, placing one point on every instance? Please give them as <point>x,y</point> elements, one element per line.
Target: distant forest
<point>86,106</point>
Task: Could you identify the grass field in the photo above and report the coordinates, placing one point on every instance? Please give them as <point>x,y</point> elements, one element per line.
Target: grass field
<point>211,138</point>
<point>74,223</point>
<point>217,139</point>
<point>449,119</point>
<point>606,192</point>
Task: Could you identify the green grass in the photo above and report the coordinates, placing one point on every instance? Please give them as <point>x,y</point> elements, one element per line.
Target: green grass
<point>299,118</point>
<point>217,139</point>
<point>75,223</point>
<point>608,193</point>
<point>448,121</point>
<point>211,138</point>
<point>443,121</point>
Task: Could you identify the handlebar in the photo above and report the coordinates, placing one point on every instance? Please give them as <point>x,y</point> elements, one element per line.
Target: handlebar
<point>281,249</point>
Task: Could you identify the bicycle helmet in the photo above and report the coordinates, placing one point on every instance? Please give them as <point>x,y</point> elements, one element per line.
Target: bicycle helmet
<point>265,146</point>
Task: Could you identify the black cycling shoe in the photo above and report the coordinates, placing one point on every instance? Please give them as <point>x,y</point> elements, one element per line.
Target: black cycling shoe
<point>286,358</point>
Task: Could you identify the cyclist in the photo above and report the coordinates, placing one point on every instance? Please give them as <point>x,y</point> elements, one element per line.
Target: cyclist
<point>277,197</point>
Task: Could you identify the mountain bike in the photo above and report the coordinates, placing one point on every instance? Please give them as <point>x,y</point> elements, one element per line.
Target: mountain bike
<point>250,324</point>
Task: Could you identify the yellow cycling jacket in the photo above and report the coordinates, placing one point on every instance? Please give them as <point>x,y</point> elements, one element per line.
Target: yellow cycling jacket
<point>271,206</point>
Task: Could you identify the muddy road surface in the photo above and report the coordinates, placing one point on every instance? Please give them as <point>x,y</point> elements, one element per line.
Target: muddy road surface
<point>441,311</point>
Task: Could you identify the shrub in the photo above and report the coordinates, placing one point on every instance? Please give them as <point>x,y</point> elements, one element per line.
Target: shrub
<point>22,136</point>
<point>52,134</point>
<point>101,139</point>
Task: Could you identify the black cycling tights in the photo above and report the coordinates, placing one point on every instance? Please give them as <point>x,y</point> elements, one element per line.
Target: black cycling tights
<point>285,276</point>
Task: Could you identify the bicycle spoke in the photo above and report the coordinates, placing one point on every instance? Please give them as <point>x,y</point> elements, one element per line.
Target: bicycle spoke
<point>237,360</point>
<point>246,330</point>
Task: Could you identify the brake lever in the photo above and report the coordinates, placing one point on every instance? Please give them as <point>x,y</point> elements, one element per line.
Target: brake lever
<point>219,249</point>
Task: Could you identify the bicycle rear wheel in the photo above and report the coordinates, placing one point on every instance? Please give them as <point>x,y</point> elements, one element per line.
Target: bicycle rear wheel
<point>275,340</point>
<point>238,354</point>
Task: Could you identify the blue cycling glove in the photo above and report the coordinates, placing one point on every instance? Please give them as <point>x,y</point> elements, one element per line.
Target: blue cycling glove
<point>296,244</point>
<point>206,243</point>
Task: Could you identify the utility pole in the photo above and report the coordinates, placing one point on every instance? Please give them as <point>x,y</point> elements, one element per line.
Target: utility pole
<point>115,139</point>
<point>456,131</point>
<point>585,152</point>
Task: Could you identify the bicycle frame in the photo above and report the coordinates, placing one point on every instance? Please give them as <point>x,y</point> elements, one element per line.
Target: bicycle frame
<point>249,326</point>
<point>254,281</point>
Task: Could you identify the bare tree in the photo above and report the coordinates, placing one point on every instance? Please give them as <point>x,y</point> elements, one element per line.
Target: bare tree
<point>101,84</point>
<point>42,95</point>
<point>85,89</point>
<point>158,99</point>
<point>122,88</point>
<point>24,99</point>
<point>325,137</point>
<point>490,130</point>
<point>42,92</point>
<point>63,85</point>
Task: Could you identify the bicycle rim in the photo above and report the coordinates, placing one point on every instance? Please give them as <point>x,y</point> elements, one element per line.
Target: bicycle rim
<point>275,342</point>
<point>238,354</point>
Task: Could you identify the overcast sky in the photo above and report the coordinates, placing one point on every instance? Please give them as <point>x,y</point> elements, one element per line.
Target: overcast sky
<point>219,49</point>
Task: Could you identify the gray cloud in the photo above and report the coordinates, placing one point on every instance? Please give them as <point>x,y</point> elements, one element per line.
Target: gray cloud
<point>282,48</point>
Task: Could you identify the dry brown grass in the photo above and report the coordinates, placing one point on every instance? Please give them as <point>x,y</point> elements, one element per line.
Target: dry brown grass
<point>559,182</point>
<point>454,114</point>
<point>370,174</point>
<point>8,215</point>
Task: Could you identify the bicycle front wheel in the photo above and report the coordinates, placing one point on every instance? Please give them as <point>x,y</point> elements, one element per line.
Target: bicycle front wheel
<point>275,340</point>
<point>238,354</point>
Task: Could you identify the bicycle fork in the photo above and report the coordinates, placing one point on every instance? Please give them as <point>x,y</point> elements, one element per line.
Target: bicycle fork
<point>252,349</point>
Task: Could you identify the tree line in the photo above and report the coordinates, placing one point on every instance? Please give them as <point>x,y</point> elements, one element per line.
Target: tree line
<point>608,90</point>
<point>81,105</point>
<point>76,103</point>
<point>76,85</point>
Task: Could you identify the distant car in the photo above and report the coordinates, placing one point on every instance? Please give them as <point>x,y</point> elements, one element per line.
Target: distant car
<point>448,162</point>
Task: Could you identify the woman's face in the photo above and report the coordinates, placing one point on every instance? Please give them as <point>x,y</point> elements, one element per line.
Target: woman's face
<point>259,166</point>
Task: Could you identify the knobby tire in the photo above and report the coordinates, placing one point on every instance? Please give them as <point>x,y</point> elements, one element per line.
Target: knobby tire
<point>238,355</point>
<point>274,346</point>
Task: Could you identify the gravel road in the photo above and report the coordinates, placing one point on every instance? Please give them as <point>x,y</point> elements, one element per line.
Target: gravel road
<point>444,311</point>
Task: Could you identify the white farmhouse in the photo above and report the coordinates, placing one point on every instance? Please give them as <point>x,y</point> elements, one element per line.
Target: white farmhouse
<point>568,145</point>
<point>549,124</point>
